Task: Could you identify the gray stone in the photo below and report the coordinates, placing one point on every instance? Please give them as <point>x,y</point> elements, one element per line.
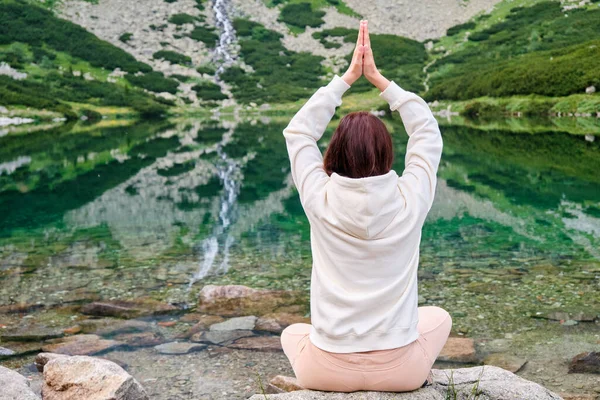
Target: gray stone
<point>44,358</point>
<point>88,378</point>
<point>4,352</point>
<point>220,337</point>
<point>494,384</point>
<point>240,323</point>
<point>586,363</point>
<point>80,345</point>
<point>179,348</point>
<point>14,386</point>
<point>31,334</point>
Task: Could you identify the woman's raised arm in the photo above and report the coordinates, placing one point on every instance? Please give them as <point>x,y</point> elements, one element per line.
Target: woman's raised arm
<point>308,125</point>
<point>424,150</point>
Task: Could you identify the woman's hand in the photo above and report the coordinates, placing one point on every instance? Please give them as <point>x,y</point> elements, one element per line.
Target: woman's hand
<point>355,70</point>
<point>369,68</point>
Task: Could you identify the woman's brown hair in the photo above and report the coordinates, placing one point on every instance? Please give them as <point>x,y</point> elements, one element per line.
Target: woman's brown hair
<point>361,146</point>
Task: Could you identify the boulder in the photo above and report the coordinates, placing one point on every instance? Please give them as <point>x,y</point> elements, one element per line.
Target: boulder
<point>14,386</point>
<point>88,378</point>
<point>459,350</point>
<point>80,345</point>
<point>277,322</point>
<point>238,300</point>
<point>44,358</point>
<point>492,383</point>
<point>128,308</point>
<point>586,363</point>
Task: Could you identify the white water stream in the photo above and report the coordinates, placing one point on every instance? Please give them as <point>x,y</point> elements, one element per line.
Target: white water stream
<point>223,56</point>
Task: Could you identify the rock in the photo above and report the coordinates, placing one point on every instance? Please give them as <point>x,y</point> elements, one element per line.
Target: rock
<point>238,300</point>
<point>566,316</point>
<point>220,337</point>
<point>18,349</point>
<point>80,345</point>
<point>505,361</point>
<point>203,322</point>
<point>4,352</point>
<point>494,384</point>
<point>167,324</point>
<point>286,383</point>
<point>30,334</point>
<point>19,308</point>
<point>128,308</point>
<point>140,339</point>
<point>277,322</point>
<point>571,396</point>
<point>44,358</point>
<point>590,89</point>
<point>72,330</point>
<point>258,343</point>
<point>588,363</point>
<point>239,323</point>
<point>570,322</point>
<point>14,386</point>
<point>460,350</point>
<point>198,318</point>
<point>179,348</point>
<point>81,377</point>
<point>108,326</point>
<point>271,389</point>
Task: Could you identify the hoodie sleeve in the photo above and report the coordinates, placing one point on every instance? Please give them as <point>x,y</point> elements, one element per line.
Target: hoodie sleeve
<point>424,148</point>
<point>304,130</point>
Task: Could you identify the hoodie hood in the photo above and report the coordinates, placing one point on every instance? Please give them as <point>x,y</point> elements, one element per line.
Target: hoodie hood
<point>364,207</point>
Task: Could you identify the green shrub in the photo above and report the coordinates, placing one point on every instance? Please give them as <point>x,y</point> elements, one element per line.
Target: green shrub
<point>126,37</point>
<point>172,57</point>
<point>39,53</point>
<point>181,19</point>
<point>461,27</point>
<point>301,15</point>
<point>154,81</point>
<point>244,27</point>
<point>26,23</point>
<point>91,115</point>
<point>200,4</point>
<point>205,35</point>
<point>209,91</point>
<point>206,69</point>
<point>170,1</point>
<point>180,78</point>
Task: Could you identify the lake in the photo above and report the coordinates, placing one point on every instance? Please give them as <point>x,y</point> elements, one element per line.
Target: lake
<point>119,210</point>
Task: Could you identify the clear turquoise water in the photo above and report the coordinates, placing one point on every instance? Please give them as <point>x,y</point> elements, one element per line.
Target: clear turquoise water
<point>160,208</point>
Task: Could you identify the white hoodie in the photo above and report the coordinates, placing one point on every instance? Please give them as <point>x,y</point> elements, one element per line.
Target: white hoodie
<point>365,233</point>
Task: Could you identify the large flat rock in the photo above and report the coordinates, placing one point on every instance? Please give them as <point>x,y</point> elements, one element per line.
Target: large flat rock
<point>493,384</point>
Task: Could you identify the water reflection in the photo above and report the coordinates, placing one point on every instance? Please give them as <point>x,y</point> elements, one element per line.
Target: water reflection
<point>136,210</point>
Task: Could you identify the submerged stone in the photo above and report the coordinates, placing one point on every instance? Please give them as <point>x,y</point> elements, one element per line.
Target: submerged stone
<point>239,323</point>
<point>108,326</point>
<point>258,343</point>
<point>238,300</point>
<point>505,361</point>
<point>179,348</point>
<point>17,349</point>
<point>30,333</point>
<point>460,350</point>
<point>588,362</point>
<point>277,322</point>
<point>220,337</point>
<point>128,308</point>
<point>80,345</point>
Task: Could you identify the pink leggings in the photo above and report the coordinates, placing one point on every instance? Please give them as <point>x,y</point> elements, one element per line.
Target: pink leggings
<point>396,370</point>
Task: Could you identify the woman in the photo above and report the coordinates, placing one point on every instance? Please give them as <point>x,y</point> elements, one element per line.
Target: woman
<point>367,331</point>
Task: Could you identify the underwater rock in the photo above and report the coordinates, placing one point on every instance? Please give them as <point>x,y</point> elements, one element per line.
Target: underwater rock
<point>30,333</point>
<point>460,350</point>
<point>177,348</point>
<point>258,343</point>
<point>588,362</point>
<point>140,339</point>
<point>505,361</point>
<point>238,300</point>
<point>233,324</point>
<point>203,322</point>
<point>128,308</point>
<point>80,345</point>
<point>277,322</point>
<point>88,378</point>
<point>220,337</point>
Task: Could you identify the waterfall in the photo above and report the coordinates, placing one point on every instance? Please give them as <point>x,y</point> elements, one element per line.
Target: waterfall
<point>228,171</point>
<point>223,55</point>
